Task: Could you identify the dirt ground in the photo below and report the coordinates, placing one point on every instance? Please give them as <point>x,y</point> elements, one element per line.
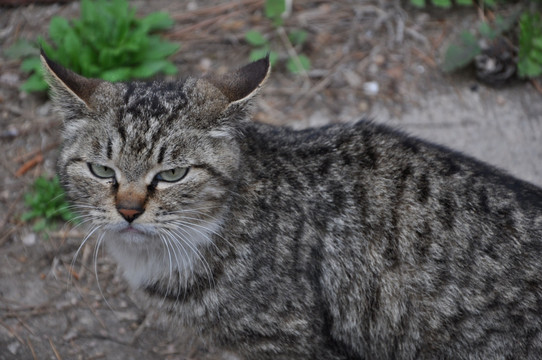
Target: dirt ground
<point>374,57</point>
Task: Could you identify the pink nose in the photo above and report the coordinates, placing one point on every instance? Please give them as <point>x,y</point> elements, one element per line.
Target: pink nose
<point>130,214</point>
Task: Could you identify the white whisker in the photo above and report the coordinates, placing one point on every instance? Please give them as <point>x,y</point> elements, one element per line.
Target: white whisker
<point>207,229</point>
<point>196,252</point>
<point>167,246</point>
<point>74,258</point>
<point>96,251</point>
<point>179,246</point>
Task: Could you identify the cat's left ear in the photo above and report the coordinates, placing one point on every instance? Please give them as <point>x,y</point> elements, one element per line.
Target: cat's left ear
<point>70,91</point>
<point>243,84</point>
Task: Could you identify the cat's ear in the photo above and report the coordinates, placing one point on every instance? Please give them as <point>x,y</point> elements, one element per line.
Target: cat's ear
<point>69,89</point>
<point>244,83</point>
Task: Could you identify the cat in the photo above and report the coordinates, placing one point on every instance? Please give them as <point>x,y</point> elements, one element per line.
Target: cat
<point>349,241</point>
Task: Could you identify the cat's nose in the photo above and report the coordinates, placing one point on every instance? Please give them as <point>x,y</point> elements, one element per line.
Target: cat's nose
<point>130,214</point>
<point>130,202</point>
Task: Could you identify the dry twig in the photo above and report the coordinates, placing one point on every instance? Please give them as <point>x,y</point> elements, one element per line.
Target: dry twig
<point>33,153</point>
<point>179,34</point>
<point>31,349</point>
<point>536,85</point>
<point>27,166</point>
<point>214,9</point>
<point>55,351</point>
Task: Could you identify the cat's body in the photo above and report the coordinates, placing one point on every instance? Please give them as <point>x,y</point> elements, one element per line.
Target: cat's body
<point>344,242</point>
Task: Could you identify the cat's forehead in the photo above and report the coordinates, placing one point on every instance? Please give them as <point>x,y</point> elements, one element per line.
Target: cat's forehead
<point>192,103</point>
<point>154,99</point>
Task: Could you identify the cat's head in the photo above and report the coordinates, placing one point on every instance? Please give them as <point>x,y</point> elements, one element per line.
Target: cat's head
<point>152,162</point>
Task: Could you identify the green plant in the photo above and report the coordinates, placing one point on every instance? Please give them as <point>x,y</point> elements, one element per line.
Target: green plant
<point>47,204</point>
<point>261,47</point>
<point>530,45</point>
<point>462,53</point>
<point>273,10</point>
<point>107,42</point>
<point>522,29</point>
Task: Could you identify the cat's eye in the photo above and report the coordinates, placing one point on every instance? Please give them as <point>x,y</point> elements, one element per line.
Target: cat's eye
<point>172,175</point>
<point>101,171</point>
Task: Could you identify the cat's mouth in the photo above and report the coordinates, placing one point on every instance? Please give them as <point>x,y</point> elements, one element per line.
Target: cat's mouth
<point>131,230</point>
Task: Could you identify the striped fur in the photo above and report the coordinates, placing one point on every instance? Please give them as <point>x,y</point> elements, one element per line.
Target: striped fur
<point>342,242</point>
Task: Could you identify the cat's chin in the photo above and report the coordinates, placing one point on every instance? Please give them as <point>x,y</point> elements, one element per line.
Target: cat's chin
<point>133,234</point>
<point>138,252</point>
<point>146,254</point>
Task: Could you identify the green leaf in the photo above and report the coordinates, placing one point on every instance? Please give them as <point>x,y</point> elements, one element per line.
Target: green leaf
<point>28,215</point>
<point>442,3</point>
<point>530,41</point>
<point>273,58</point>
<point>460,55</point>
<point>255,38</point>
<point>464,2</point>
<point>297,37</point>
<point>490,3</point>
<point>418,3</point>
<point>468,39</point>
<point>31,64</point>
<point>258,54</point>
<point>58,28</point>
<point>274,8</point>
<point>169,69</point>
<point>118,74</point>
<point>158,49</point>
<point>20,49</point>
<point>486,30</point>
<point>40,225</point>
<point>88,11</point>
<point>150,68</point>
<point>537,42</point>
<point>529,68</point>
<point>49,50</point>
<point>296,67</point>
<point>71,43</point>
<point>156,21</point>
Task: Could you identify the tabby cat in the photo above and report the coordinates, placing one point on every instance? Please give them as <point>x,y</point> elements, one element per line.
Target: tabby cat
<point>343,242</point>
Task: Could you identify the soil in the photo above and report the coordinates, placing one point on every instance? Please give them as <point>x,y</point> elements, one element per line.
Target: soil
<point>371,58</point>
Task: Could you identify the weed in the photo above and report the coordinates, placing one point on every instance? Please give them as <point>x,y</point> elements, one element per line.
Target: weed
<point>107,42</point>
<point>521,29</point>
<point>274,10</point>
<point>47,204</point>
<point>463,52</point>
<point>530,45</point>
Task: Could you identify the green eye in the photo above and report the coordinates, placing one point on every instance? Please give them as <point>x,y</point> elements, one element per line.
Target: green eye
<point>172,175</point>
<point>100,171</point>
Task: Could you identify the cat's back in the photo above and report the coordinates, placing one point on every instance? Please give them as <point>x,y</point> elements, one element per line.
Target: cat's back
<point>432,253</point>
<point>367,150</point>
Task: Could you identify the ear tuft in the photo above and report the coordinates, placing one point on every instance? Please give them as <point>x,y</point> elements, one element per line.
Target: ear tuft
<point>66,82</point>
<point>243,83</point>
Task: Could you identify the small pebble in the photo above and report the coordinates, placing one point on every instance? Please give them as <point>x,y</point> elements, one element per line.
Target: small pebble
<point>371,88</point>
<point>29,239</point>
<point>14,347</point>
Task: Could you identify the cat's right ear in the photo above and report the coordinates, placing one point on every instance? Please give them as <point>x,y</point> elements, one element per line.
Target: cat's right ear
<point>70,90</point>
<point>244,83</point>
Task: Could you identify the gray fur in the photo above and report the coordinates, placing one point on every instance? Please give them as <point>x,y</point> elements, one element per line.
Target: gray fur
<point>342,242</point>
